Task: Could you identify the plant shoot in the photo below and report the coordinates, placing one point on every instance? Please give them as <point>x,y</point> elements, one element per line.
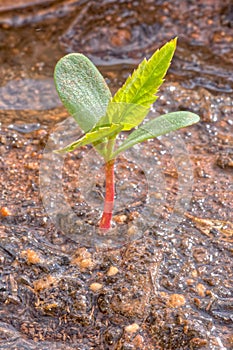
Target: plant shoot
<point>86,96</point>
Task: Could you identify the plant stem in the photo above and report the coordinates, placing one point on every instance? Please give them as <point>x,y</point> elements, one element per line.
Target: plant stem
<point>105,222</point>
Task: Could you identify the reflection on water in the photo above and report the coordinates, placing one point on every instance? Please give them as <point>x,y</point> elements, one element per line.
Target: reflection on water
<point>28,94</point>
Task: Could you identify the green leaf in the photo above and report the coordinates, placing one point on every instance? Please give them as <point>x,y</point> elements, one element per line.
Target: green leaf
<point>127,115</point>
<point>96,136</point>
<point>141,87</point>
<point>82,89</point>
<point>159,126</point>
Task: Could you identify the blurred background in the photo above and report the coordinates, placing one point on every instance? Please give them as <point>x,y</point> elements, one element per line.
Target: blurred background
<point>115,35</point>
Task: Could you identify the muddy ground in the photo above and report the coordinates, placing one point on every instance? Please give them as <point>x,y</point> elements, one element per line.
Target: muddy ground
<point>163,278</point>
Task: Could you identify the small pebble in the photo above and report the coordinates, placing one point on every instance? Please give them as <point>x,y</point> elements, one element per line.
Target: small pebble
<point>157,195</point>
<point>83,259</point>
<point>197,302</point>
<point>120,219</point>
<point>31,166</point>
<point>4,211</point>
<point>95,287</point>
<point>190,282</point>
<point>132,328</point>
<point>201,289</point>
<point>132,230</point>
<point>31,256</point>
<point>113,270</point>
<point>138,341</point>
<point>198,342</point>
<point>45,283</point>
<point>2,149</point>
<point>86,263</point>
<point>176,300</point>
<point>50,307</point>
<point>82,263</point>
<point>133,215</point>
<point>194,273</point>
<point>230,339</point>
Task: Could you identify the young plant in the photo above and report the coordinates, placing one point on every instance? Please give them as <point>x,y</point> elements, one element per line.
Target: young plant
<point>84,93</point>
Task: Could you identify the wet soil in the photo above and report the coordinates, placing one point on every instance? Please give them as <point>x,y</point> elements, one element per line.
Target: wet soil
<point>164,278</point>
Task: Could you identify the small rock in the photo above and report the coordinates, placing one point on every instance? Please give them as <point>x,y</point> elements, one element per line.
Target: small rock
<point>194,273</point>
<point>133,215</point>
<point>156,195</point>
<point>4,211</point>
<point>225,160</point>
<point>190,282</point>
<point>113,270</point>
<point>86,264</point>
<point>31,256</point>
<point>132,230</point>
<point>31,166</point>
<point>138,341</point>
<point>120,219</point>
<point>201,289</point>
<point>132,328</point>
<point>198,342</point>
<point>45,283</point>
<point>200,254</point>
<point>230,339</point>
<point>176,300</point>
<point>197,302</point>
<point>83,259</point>
<point>95,287</point>
<point>163,295</point>
<point>2,150</point>
<point>83,263</point>
<point>3,139</point>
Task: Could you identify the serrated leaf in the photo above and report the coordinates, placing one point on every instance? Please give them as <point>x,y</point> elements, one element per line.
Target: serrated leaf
<point>82,89</point>
<point>126,114</point>
<point>147,78</point>
<point>96,136</point>
<point>141,87</point>
<point>159,126</point>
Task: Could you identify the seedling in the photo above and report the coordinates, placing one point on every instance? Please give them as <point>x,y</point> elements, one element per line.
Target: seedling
<point>85,94</point>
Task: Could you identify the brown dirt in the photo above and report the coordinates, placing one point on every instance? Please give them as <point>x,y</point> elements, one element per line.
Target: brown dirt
<point>172,287</point>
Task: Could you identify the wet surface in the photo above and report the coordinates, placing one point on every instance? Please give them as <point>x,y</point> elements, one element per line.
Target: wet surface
<point>170,285</point>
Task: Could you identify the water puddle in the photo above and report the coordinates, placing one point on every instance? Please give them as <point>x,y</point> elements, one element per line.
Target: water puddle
<point>140,182</point>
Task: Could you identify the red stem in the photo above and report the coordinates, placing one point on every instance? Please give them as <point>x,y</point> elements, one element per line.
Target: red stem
<point>105,222</point>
